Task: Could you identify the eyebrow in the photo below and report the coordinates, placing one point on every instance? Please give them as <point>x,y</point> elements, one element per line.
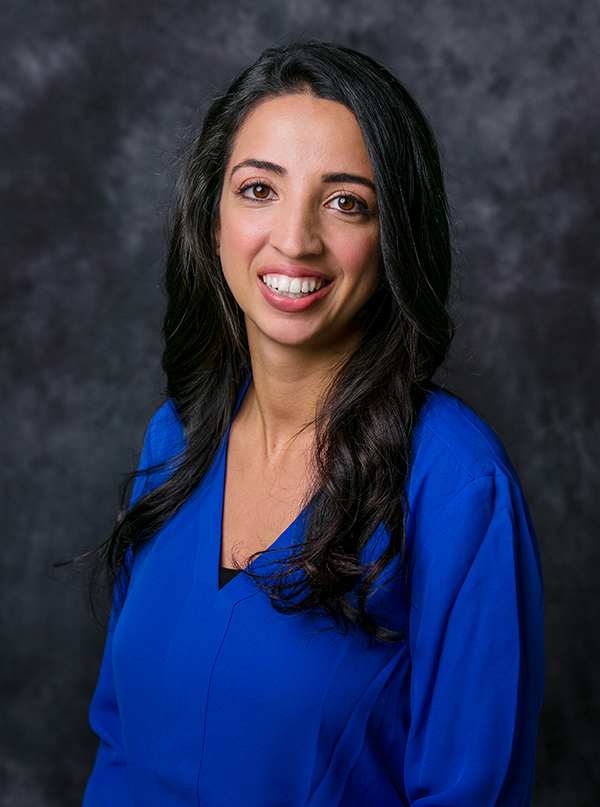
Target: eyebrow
<point>355,178</point>
<point>265,165</point>
<point>261,164</point>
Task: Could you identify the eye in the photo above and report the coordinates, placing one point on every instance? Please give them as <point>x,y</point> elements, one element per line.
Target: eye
<point>347,203</point>
<point>256,190</point>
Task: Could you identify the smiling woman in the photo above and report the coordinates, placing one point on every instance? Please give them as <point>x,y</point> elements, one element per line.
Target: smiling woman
<point>299,207</point>
<point>327,587</point>
<point>295,161</point>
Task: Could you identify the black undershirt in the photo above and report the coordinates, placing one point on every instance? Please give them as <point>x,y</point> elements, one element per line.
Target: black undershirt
<point>226,575</point>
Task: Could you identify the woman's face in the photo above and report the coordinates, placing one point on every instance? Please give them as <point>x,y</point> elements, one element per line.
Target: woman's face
<point>298,231</point>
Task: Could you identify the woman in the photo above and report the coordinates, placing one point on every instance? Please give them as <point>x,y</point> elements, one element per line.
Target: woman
<point>328,587</point>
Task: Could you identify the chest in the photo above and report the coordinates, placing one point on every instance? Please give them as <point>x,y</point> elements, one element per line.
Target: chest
<point>242,683</point>
<point>261,499</point>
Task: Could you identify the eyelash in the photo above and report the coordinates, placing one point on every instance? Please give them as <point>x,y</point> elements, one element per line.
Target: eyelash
<point>362,208</point>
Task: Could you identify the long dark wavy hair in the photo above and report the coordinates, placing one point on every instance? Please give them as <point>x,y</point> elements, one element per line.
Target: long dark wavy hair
<point>366,422</point>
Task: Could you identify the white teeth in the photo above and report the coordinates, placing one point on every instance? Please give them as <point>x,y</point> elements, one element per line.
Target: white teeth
<point>294,287</point>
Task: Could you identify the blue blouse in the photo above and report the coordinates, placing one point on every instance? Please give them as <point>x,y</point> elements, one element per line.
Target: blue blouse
<point>211,697</point>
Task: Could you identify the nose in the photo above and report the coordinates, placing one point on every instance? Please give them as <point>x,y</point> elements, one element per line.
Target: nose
<point>296,230</point>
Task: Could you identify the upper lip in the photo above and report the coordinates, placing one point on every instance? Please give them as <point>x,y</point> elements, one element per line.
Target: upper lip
<point>291,271</point>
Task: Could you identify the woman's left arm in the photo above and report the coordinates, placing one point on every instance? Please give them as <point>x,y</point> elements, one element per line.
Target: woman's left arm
<point>476,644</point>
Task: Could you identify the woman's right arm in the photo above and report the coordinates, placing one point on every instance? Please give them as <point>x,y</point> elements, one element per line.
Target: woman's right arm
<point>108,786</point>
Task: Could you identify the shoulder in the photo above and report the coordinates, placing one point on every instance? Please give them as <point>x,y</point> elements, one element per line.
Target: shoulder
<point>163,446</point>
<point>470,538</point>
<point>165,438</point>
<point>461,479</point>
<point>451,436</point>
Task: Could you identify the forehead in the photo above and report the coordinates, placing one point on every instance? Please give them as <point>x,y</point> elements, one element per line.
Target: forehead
<point>303,129</point>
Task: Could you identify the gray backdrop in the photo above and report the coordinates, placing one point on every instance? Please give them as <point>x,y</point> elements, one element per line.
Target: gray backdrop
<point>96,97</point>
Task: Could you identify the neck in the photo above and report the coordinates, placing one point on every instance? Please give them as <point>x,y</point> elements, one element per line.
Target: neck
<point>287,386</point>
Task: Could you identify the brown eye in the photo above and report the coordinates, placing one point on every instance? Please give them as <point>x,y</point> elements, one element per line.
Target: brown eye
<point>260,191</point>
<point>349,205</point>
<point>346,203</point>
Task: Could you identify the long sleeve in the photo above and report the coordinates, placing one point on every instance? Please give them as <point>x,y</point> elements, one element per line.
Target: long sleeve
<point>476,651</point>
<point>108,785</point>
<point>445,718</point>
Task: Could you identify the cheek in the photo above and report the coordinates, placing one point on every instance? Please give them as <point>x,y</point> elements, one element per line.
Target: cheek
<point>239,239</point>
<point>360,258</point>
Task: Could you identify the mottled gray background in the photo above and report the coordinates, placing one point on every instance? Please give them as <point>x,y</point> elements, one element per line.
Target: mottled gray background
<point>96,97</point>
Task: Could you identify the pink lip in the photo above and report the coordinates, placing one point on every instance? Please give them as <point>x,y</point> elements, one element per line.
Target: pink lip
<point>290,304</point>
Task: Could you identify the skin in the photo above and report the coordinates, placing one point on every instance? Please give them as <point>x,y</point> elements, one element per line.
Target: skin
<point>298,200</point>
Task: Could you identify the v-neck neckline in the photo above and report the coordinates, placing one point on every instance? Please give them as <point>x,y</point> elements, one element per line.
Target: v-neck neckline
<point>220,483</point>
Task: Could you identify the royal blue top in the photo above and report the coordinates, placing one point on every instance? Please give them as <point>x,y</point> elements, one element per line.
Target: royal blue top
<point>208,696</point>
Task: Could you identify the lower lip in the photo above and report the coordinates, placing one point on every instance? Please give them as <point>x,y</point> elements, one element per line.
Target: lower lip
<point>291,304</point>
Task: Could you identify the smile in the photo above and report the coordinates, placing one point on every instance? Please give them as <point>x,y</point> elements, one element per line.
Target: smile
<point>293,287</point>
